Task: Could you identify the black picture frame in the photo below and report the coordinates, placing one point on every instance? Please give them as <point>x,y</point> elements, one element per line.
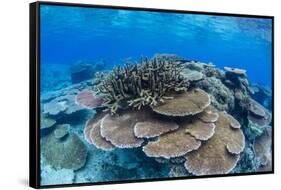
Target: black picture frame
<point>34,91</point>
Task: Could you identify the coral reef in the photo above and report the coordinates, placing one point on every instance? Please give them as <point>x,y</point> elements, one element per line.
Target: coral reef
<point>142,84</point>
<point>199,129</point>
<point>88,100</point>
<point>220,154</point>
<point>175,108</point>
<point>172,145</point>
<point>61,131</point>
<point>92,133</point>
<point>119,130</point>
<point>55,107</point>
<point>64,102</point>
<point>235,71</point>
<point>185,138</point>
<point>190,118</point>
<point>258,115</point>
<point>247,162</point>
<point>192,75</point>
<point>154,127</point>
<point>258,120</point>
<point>46,122</point>
<point>68,153</point>
<point>184,104</point>
<point>221,97</point>
<point>262,147</point>
<point>177,170</point>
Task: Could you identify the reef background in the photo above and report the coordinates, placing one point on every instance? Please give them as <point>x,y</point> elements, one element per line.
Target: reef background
<point>83,39</point>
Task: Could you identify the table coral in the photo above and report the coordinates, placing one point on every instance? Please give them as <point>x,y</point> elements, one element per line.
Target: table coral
<point>183,104</point>
<point>119,130</point>
<point>220,154</point>
<point>61,131</point>
<point>46,122</point>
<point>170,145</point>
<point>70,153</point>
<point>154,127</point>
<point>93,134</point>
<point>258,115</point>
<point>199,129</point>
<point>88,100</point>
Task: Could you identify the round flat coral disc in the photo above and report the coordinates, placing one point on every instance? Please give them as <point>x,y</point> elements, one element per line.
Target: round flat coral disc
<point>208,116</point>
<point>97,139</point>
<point>87,99</point>
<point>199,129</point>
<point>119,129</point>
<point>233,122</point>
<point>257,109</point>
<point>258,115</point>
<point>89,125</point>
<point>153,127</point>
<point>69,154</point>
<point>184,104</point>
<point>173,144</point>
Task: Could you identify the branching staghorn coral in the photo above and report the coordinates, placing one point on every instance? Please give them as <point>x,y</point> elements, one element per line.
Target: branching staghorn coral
<point>146,83</point>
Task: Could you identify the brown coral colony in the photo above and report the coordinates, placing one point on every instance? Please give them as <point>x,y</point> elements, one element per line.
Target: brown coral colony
<point>154,106</point>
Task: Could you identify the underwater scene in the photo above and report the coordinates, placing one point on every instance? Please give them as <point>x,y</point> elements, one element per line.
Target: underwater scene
<point>142,95</point>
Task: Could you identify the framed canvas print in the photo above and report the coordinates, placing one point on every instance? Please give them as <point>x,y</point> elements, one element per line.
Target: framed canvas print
<point>120,94</point>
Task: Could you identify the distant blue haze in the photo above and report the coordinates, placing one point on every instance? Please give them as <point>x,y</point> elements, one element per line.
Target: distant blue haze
<point>69,34</point>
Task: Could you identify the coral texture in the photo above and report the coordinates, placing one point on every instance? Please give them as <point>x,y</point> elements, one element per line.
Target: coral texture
<point>171,145</point>
<point>262,147</point>
<point>154,127</point>
<point>119,130</point>
<point>70,153</point>
<point>61,131</point>
<point>88,100</point>
<point>46,122</point>
<point>93,134</point>
<point>199,129</point>
<point>220,154</point>
<point>184,104</point>
<point>258,115</point>
<point>138,85</point>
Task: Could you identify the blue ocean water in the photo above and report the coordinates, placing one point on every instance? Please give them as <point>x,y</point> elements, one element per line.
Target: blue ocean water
<point>69,34</point>
<point>72,34</point>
